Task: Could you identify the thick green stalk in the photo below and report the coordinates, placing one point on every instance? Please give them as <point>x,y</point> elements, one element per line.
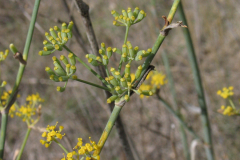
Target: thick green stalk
<point>199,88</point>
<point>19,76</point>
<point>93,84</point>
<point>160,39</point>
<point>176,107</point>
<point>23,144</point>
<point>3,132</point>
<point>108,128</point>
<point>89,68</point>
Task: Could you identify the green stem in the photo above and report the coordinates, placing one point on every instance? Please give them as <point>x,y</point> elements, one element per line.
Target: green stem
<point>19,75</point>
<point>23,144</point>
<point>169,108</point>
<point>125,41</point>
<point>231,103</point>
<point>126,34</point>
<point>93,84</point>
<point>63,148</point>
<point>108,128</point>
<point>89,68</point>
<point>106,70</point>
<point>176,107</point>
<point>3,132</point>
<point>199,88</point>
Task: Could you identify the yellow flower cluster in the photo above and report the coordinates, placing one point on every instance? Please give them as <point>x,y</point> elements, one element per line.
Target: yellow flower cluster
<point>4,55</point>
<point>27,111</point>
<point>51,135</point>
<point>230,111</point>
<point>154,81</point>
<point>86,151</point>
<point>226,92</point>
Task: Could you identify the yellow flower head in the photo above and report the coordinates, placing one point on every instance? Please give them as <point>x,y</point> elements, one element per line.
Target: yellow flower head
<point>51,134</point>
<point>226,92</point>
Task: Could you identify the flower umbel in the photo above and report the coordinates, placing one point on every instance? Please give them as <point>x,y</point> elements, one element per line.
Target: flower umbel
<point>51,134</point>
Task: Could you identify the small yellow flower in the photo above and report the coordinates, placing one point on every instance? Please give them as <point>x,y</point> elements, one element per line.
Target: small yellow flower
<point>226,92</point>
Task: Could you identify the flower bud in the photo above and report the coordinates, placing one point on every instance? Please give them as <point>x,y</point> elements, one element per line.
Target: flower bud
<point>70,25</point>
<point>112,98</point>
<point>124,48</point>
<point>127,68</point>
<point>56,29</point>
<point>114,13</point>
<point>116,50</point>
<point>113,81</point>
<point>123,82</point>
<point>109,52</point>
<point>72,69</point>
<point>68,68</point>
<point>124,57</point>
<point>140,16</point>
<point>117,75</point>
<point>138,72</point>
<point>127,77</point>
<point>118,90</point>
<point>140,55</point>
<point>103,47</point>
<point>135,12</point>
<point>63,78</point>
<point>64,59</point>
<point>45,53</point>
<point>49,71</point>
<point>93,62</point>
<point>54,78</point>
<point>105,60</point>
<point>4,83</point>
<point>60,89</point>
<point>13,48</point>
<point>53,33</point>
<point>126,97</point>
<point>124,13</point>
<point>58,69</point>
<point>71,58</point>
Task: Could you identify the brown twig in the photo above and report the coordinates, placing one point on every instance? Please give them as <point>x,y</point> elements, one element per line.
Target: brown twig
<point>84,10</point>
<point>75,30</point>
<point>155,132</point>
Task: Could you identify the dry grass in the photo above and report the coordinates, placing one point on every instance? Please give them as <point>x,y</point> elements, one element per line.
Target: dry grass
<point>215,29</point>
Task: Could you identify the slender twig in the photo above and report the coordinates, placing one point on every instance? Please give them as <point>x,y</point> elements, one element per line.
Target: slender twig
<point>63,148</point>
<point>18,78</point>
<point>75,30</point>
<point>24,143</point>
<point>155,131</point>
<point>199,89</point>
<point>176,107</point>
<point>169,108</point>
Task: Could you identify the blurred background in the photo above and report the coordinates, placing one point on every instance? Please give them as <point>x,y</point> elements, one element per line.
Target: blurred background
<point>83,110</point>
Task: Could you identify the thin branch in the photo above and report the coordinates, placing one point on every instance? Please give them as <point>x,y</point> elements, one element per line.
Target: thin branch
<point>75,30</point>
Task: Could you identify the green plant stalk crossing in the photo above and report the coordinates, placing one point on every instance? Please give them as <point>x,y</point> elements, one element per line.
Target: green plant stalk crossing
<point>19,76</point>
<point>199,88</point>
<point>23,144</point>
<point>176,107</point>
